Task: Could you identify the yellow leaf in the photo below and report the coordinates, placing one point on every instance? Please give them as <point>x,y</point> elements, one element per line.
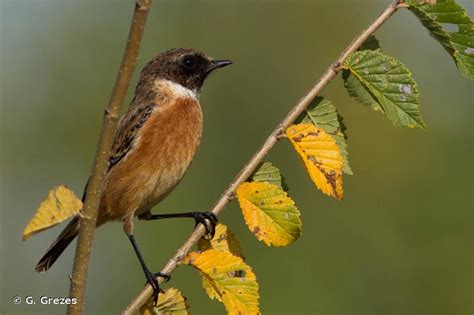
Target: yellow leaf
<point>170,302</point>
<point>224,240</point>
<point>229,280</point>
<point>269,213</point>
<point>211,291</point>
<point>60,205</point>
<point>320,155</point>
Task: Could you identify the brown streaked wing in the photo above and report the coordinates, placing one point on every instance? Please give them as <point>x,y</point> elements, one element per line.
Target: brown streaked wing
<point>127,131</point>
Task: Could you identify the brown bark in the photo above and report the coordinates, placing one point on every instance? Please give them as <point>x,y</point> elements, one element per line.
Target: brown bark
<point>101,161</point>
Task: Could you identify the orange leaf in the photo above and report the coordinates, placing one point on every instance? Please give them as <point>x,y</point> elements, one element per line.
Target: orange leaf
<point>320,155</point>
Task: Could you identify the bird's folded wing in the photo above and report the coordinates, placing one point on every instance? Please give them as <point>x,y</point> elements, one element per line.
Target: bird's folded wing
<point>127,131</point>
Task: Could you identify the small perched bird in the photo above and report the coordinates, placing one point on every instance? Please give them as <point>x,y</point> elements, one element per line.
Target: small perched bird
<point>153,147</point>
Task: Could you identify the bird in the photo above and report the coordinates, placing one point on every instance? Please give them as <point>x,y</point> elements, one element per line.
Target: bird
<point>154,145</point>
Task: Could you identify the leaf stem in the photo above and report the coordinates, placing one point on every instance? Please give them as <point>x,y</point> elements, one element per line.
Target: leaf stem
<point>255,160</point>
<point>99,168</point>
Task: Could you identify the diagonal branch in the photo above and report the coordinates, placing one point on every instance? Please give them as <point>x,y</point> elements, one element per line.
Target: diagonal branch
<point>96,181</point>
<point>253,163</point>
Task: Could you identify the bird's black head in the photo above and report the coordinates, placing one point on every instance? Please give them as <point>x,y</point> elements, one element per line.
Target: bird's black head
<point>187,67</point>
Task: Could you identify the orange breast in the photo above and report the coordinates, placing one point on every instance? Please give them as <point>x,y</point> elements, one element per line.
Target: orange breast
<point>162,153</point>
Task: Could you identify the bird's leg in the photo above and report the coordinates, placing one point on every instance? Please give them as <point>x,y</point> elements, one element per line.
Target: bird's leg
<point>208,219</point>
<point>150,277</point>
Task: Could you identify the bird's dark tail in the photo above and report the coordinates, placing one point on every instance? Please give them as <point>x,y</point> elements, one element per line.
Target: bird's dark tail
<point>55,250</point>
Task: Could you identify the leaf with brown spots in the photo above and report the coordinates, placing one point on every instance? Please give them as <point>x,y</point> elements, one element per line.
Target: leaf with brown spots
<point>322,113</point>
<point>60,205</point>
<point>229,280</point>
<point>321,156</point>
<point>224,240</point>
<point>171,302</point>
<point>269,213</point>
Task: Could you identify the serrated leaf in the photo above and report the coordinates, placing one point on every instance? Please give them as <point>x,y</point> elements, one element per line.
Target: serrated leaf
<point>229,280</point>
<point>389,83</point>
<point>224,240</point>
<point>170,302</point>
<point>355,88</point>
<point>60,205</point>
<point>322,113</point>
<point>358,91</point>
<point>269,173</point>
<point>269,213</point>
<point>320,155</point>
<point>459,44</point>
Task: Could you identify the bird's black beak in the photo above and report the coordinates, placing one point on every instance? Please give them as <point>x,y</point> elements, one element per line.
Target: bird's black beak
<point>216,64</point>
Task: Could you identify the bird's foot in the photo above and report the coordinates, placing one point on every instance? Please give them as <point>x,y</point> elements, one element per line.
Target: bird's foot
<point>209,220</point>
<point>162,275</point>
<point>151,279</point>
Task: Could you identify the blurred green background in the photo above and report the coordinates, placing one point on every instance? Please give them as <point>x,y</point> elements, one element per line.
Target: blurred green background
<point>401,242</point>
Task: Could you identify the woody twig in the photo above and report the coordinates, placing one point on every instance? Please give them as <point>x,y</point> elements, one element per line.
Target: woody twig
<point>255,160</point>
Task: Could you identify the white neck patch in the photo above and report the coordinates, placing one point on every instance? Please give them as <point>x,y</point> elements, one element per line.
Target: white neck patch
<point>177,89</point>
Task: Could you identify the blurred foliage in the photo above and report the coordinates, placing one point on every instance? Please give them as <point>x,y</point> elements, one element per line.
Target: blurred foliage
<point>457,38</point>
<point>400,242</point>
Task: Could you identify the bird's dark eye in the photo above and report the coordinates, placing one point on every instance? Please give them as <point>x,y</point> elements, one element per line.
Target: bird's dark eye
<point>189,62</point>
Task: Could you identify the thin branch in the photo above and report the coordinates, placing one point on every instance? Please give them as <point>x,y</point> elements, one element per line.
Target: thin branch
<point>253,163</point>
<point>99,168</point>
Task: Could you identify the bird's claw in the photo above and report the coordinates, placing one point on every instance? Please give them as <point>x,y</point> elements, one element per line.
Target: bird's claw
<point>162,275</point>
<point>151,279</point>
<point>154,285</point>
<point>209,220</point>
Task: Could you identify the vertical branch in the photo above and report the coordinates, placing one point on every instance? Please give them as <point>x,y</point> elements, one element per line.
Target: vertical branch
<point>99,168</point>
<point>272,139</point>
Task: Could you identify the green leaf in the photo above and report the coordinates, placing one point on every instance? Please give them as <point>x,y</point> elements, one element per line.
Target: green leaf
<point>358,91</point>
<point>267,172</point>
<point>387,82</point>
<point>322,113</point>
<point>460,44</point>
